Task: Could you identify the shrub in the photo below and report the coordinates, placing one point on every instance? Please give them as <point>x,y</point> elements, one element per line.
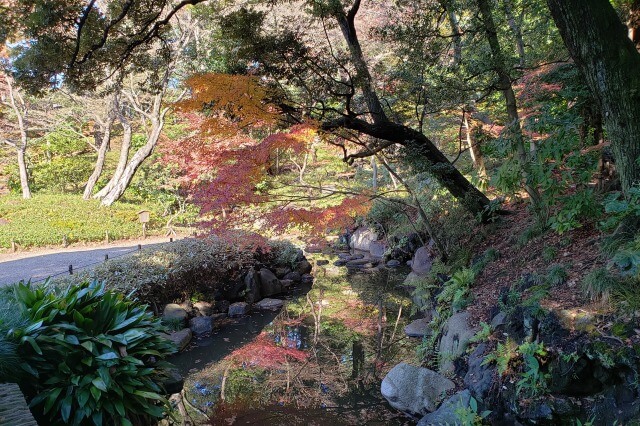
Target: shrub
<point>91,355</point>
<point>557,274</point>
<point>599,284</point>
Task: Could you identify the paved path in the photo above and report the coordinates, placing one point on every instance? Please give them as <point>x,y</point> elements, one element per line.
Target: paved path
<point>40,264</point>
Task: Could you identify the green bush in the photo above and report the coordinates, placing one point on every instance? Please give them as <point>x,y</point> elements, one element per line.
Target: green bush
<point>91,355</point>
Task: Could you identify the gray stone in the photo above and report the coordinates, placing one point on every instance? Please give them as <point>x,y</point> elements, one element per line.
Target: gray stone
<point>418,328</point>
<point>181,338</point>
<point>377,248</point>
<point>303,267</point>
<point>361,239</point>
<point>174,312</point>
<point>359,263</point>
<point>322,262</point>
<point>203,308</point>
<point>269,283</point>
<point>294,276</point>
<point>422,261</point>
<point>446,414</point>
<point>173,382</point>
<point>340,262</point>
<point>252,286</point>
<point>499,320</point>
<point>307,278</point>
<point>238,309</point>
<point>201,325</point>
<point>286,284</point>
<point>393,263</point>
<point>479,378</point>
<point>454,341</point>
<point>344,256</point>
<point>269,304</point>
<point>415,390</point>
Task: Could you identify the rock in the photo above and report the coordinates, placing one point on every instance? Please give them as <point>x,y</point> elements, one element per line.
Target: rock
<point>201,325</point>
<point>269,283</point>
<point>361,239</point>
<point>174,312</point>
<point>286,284</point>
<point>181,338</point>
<point>281,272</point>
<point>294,276</point>
<point>499,320</point>
<point>216,318</point>
<point>340,262</point>
<point>422,261</point>
<point>415,390</point>
<point>173,383</point>
<point>377,248</point>
<point>238,309</point>
<point>344,256</point>
<point>454,341</point>
<point>322,262</point>
<point>221,306</point>
<point>313,249</point>
<point>253,286</point>
<point>355,256</point>
<point>303,267</point>
<point>359,263</point>
<point>418,328</point>
<point>446,414</point>
<point>203,309</point>
<point>393,263</point>
<point>269,304</point>
<point>479,378</point>
<point>307,278</point>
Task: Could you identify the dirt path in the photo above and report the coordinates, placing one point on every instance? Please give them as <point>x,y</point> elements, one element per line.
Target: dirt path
<point>40,264</point>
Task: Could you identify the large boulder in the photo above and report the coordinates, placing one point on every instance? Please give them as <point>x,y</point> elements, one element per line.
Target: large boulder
<point>422,261</point>
<point>253,286</point>
<point>361,239</point>
<point>454,341</point>
<point>415,390</point>
<point>377,248</point>
<point>201,325</point>
<point>269,283</point>
<point>181,338</point>
<point>446,414</point>
<point>419,328</point>
<point>269,304</point>
<point>239,309</point>
<point>294,276</point>
<point>479,377</point>
<point>174,313</point>
<point>203,309</point>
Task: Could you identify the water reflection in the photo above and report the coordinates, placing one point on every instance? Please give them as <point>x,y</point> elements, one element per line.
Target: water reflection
<point>318,361</point>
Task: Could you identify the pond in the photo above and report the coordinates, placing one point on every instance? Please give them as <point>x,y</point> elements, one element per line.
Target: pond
<point>319,360</point>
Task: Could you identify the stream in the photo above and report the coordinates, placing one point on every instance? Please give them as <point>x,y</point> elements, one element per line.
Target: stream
<point>317,361</point>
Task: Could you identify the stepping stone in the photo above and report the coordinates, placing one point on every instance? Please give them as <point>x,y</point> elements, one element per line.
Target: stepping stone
<point>239,309</point>
<point>393,263</point>
<point>201,325</point>
<point>181,338</point>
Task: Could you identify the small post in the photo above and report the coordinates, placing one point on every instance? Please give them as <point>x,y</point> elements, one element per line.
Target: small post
<point>171,239</point>
<point>70,269</point>
<point>143,216</point>
<point>106,236</point>
<point>106,257</point>
<point>65,242</point>
<point>14,248</point>
<point>139,246</point>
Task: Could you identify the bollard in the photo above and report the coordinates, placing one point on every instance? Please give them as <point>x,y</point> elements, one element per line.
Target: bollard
<point>13,246</point>
<point>70,269</point>
<point>106,257</point>
<point>171,239</point>
<point>139,246</point>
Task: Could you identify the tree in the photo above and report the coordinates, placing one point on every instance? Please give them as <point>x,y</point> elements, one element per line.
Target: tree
<point>599,44</point>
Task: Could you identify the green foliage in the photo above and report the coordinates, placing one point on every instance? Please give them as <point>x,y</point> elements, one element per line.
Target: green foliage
<point>549,253</point>
<point>529,234</point>
<point>599,284</point>
<point>284,253</point>
<point>503,355</point>
<point>46,219</point>
<point>455,292</point>
<point>483,334</point>
<point>10,319</point>
<point>61,174</point>
<point>576,207</point>
<point>533,381</point>
<point>91,355</point>
<point>557,274</point>
<point>619,208</point>
<point>469,415</point>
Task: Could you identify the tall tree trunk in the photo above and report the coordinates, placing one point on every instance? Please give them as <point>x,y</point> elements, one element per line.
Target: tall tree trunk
<point>504,84</point>
<point>24,177</point>
<point>374,179</point>
<point>385,130</point>
<point>102,154</point>
<point>515,28</point>
<point>122,160</point>
<point>136,161</point>
<point>456,31</point>
<point>598,42</point>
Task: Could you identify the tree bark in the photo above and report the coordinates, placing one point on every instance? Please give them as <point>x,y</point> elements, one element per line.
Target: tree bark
<point>474,149</point>
<point>598,42</point>
<point>24,177</point>
<point>515,28</point>
<point>122,160</point>
<point>504,84</point>
<point>102,154</point>
<point>19,108</point>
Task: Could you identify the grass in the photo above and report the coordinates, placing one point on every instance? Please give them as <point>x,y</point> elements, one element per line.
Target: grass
<point>47,219</point>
